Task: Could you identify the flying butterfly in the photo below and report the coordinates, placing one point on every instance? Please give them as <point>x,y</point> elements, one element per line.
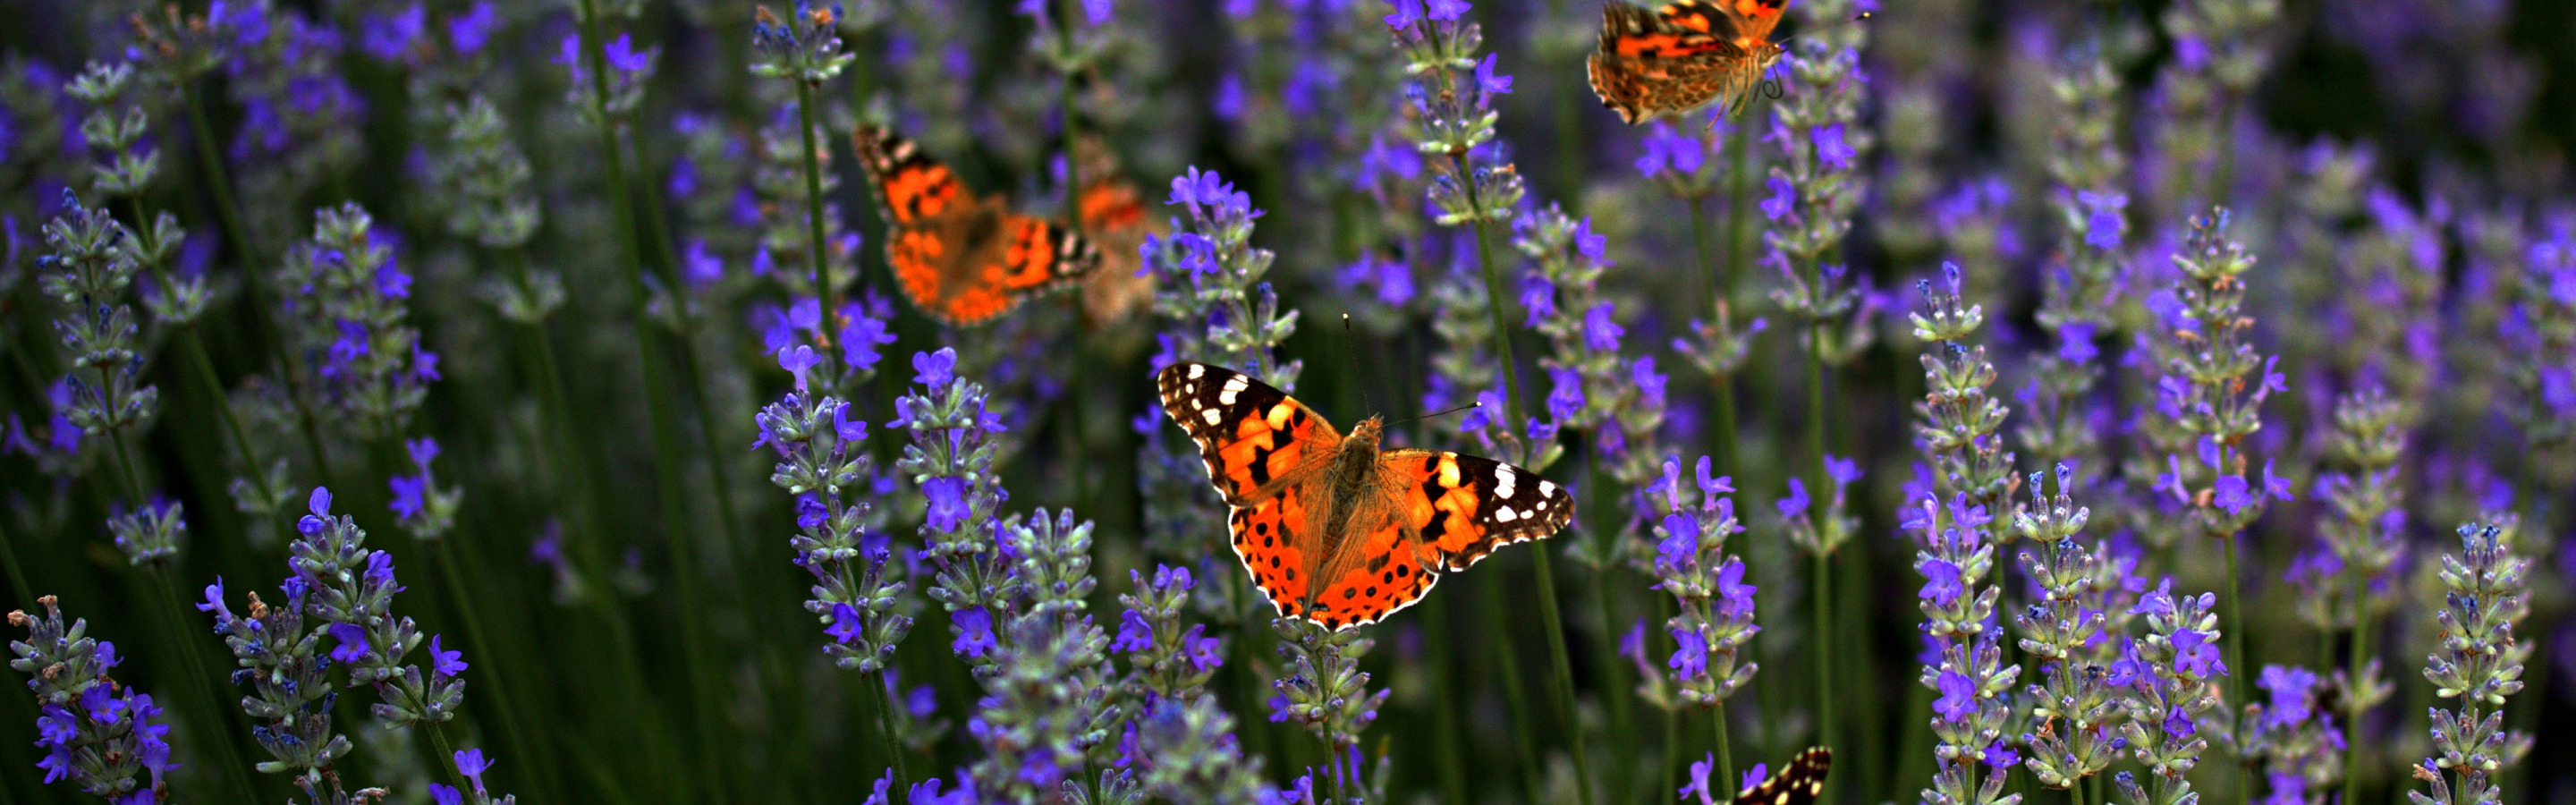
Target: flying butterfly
<point>1668,61</point>
<point>961,258</point>
<point>1332,528</point>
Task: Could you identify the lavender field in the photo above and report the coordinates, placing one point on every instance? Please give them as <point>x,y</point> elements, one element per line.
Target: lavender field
<point>2033,402</point>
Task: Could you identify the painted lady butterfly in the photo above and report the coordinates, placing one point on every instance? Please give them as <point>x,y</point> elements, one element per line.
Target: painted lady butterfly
<point>1669,61</point>
<point>961,258</point>
<point>1799,783</point>
<point>1333,529</point>
<point>1115,217</point>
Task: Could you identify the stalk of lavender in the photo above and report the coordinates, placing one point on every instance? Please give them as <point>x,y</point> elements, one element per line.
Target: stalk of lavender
<point>2345,579</point>
<point>1815,190</point>
<point>1716,346</point>
<point>1326,691</point>
<point>2541,321</point>
<point>858,592</point>
<point>1452,94</point>
<point>1178,740</point>
<point>1954,559</point>
<point>350,590</point>
<point>2220,53</point>
<point>373,372</point>
<point>175,299</point>
<point>2210,399</point>
<point>2479,664</point>
<point>806,49</point>
<point>2165,679</point>
<point>2067,631</point>
<point>88,270</point>
<point>2075,307</point>
<point>94,731</point>
<point>1049,689</point>
<point>1715,606</point>
<point>1959,422</point>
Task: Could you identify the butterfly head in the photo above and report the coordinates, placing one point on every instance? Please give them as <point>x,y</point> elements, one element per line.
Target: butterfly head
<point>1360,448</point>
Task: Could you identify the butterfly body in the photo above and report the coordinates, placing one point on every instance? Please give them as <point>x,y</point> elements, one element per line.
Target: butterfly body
<point>961,258</point>
<point>1334,528</point>
<point>1656,62</point>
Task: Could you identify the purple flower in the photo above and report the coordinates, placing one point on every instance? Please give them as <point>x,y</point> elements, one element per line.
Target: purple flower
<point>442,794</point>
<point>948,507</point>
<point>1680,544</point>
<point>1134,634</point>
<point>1690,654</point>
<point>2293,692</point>
<point>1831,147</point>
<point>860,340</point>
<point>845,623</point>
<point>1783,197</point>
<point>2277,486</point>
<point>1489,82</point>
<point>2195,655</point>
<point>442,661</point>
<point>1734,597</point>
<point>1538,298</point>
<point>2075,342</point>
<point>1942,584</point>
<point>974,632</point>
<point>1958,697</point>
<point>1754,776</point>
<point>1698,778</point>
<point>2232,494</point>
<point>470,762</point>
<point>1599,332</point>
<point>409,492</point>
<point>2102,219</point>
<point>796,360</point>
<point>388,37</point>
<point>934,369</point>
<point>1205,653</point>
<point>1795,505</point>
<point>353,642</point>
<point>468,33</point>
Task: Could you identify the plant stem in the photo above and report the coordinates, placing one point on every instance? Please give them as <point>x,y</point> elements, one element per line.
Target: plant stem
<point>824,292</point>
<point>1507,664</point>
<point>211,707</point>
<point>1821,600</point>
<point>1444,686</point>
<point>2361,629</point>
<point>876,683</point>
<point>520,749</point>
<point>1555,626</point>
<point>446,757</point>
<point>2236,648</point>
<point>17,578</point>
<point>1725,751</point>
<point>1721,295</point>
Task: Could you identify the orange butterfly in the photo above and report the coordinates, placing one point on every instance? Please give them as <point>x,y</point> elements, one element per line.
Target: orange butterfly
<point>1333,529</point>
<point>961,258</point>
<point>1669,61</point>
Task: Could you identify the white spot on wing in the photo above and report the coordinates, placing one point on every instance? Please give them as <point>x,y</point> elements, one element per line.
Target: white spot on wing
<point>1233,386</point>
<point>1196,370</point>
<point>1546,487</point>
<point>1504,478</point>
<point>1505,514</point>
<point>1212,416</point>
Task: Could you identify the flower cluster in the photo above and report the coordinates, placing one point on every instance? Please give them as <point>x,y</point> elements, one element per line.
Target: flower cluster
<point>806,46</point>
<point>1049,690</point>
<point>2479,664</point>
<point>2210,398</point>
<point>1960,425</point>
<point>1954,555</point>
<point>2166,679</point>
<point>1452,96</point>
<point>1817,186</point>
<point>821,451</point>
<point>94,731</point>
<point>90,267</point>
<point>349,299</point>
<point>301,120</point>
<point>2300,747</point>
<point>2070,631</point>
<point>1209,286</point>
<point>423,508</point>
<point>1692,565</point>
<point>291,697</point>
<point>951,459</point>
<point>1164,658</point>
<point>351,590</point>
<point>1620,402</point>
<point>1325,690</point>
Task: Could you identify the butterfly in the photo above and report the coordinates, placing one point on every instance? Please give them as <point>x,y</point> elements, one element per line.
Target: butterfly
<point>1669,61</point>
<point>961,258</point>
<point>1116,219</point>
<point>1333,529</point>
<point>1798,783</point>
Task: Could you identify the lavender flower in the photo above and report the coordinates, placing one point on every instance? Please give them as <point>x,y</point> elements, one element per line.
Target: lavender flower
<point>93,730</point>
<point>88,271</point>
<point>857,590</point>
<point>1953,554</point>
<point>2300,747</point>
<point>951,458</point>
<point>349,300</point>
<point>1048,685</point>
<point>351,597</point>
<point>1959,431</point>
<point>1325,690</point>
<point>1452,96</point>
<point>2479,664</point>
<point>2069,631</point>
<point>2166,679</point>
<point>423,508</point>
<point>1165,658</point>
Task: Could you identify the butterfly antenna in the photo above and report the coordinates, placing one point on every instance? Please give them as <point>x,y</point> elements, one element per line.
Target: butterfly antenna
<point>1351,354</point>
<point>1447,412</point>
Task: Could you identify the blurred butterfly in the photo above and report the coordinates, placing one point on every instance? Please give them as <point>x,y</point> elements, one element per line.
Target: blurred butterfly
<point>1114,217</point>
<point>1671,60</point>
<point>962,259</point>
<point>1333,529</point>
<point>1798,783</point>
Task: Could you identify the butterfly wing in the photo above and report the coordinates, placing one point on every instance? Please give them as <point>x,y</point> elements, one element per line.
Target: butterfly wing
<point>1263,449</point>
<point>1799,783</point>
<point>962,259</point>
<point>1462,507</point>
<point>1115,216</point>
<point>1668,61</point>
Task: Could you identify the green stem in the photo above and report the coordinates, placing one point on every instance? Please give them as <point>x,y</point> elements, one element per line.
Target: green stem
<point>475,634</point>
<point>1721,296</point>
<point>1672,768</point>
<point>1436,648</point>
<point>221,186</point>
<point>1555,627</point>
<point>1725,751</point>
<point>210,707</point>
<point>824,292</point>
<point>876,683</point>
<point>1819,490</point>
<point>1507,665</point>
<point>17,578</point>
<point>446,757</point>
<point>2353,710</point>
<point>2236,660</point>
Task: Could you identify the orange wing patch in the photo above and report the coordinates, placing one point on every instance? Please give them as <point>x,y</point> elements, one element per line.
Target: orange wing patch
<point>1254,438</point>
<point>1276,548</point>
<point>1669,61</point>
<point>960,258</point>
